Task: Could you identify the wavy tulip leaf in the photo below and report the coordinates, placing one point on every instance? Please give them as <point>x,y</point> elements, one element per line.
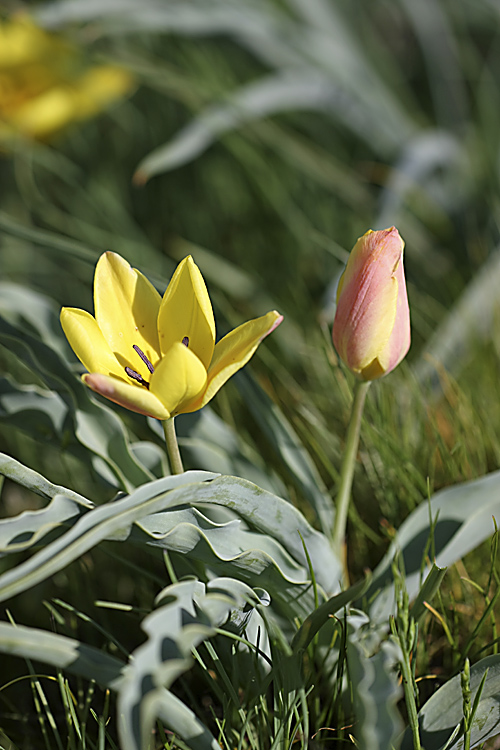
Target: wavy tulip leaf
<point>30,527</point>
<point>257,545</point>
<point>230,549</point>
<point>376,692</point>
<point>93,664</point>
<point>464,520</point>
<point>35,410</point>
<point>191,614</point>
<point>96,426</point>
<point>272,516</point>
<point>35,482</point>
<point>442,714</point>
<point>96,525</point>
<point>61,652</point>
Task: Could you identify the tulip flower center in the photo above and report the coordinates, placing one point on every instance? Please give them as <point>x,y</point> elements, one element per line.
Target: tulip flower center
<point>136,375</point>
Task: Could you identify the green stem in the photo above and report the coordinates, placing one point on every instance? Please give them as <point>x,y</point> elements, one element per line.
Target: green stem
<point>408,686</point>
<point>410,702</point>
<point>347,469</point>
<point>174,455</point>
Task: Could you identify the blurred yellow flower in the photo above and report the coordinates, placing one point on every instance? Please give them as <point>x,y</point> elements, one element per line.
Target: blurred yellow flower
<point>45,84</point>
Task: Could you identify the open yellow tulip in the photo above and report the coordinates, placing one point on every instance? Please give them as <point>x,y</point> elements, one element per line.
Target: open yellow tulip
<point>157,356</point>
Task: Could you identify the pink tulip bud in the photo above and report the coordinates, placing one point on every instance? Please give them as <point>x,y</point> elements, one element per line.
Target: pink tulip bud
<point>371,330</point>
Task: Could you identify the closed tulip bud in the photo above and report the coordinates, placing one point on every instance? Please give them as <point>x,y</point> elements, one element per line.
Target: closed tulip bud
<point>371,330</point>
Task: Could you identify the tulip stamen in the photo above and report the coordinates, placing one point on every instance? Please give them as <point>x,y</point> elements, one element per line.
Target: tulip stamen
<point>185,340</point>
<point>136,376</point>
<point>144,358</point>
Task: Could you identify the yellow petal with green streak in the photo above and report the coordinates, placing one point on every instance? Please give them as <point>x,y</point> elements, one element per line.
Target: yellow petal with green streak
<point>233,352</point>
<point>126,310</point>
<point>178,379</point>
<point>88,343</point>
<point>186,310</point>
<point>133,397</point>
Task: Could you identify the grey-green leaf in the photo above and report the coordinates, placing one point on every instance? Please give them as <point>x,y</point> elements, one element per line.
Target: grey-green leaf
<point>277,518</point>
<point>97,524</point>
<point>464,520</point>
<point>443,711</point>
<point>95,425</point>
<point>35,482</point>
<point>62,652</point>
<point>376,693</point>
<point>189,616</point>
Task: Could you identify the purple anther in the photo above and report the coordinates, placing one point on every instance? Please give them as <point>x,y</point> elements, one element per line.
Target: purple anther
<point>185,340</point>
<point>144,358</point>
<point>136,376</point>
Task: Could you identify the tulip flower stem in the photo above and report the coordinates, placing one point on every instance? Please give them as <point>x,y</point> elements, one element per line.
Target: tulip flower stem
<point>174,455</point>
<point>347,472</point>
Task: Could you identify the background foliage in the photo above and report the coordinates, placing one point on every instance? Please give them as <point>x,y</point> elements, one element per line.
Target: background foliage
<point>264,137</point>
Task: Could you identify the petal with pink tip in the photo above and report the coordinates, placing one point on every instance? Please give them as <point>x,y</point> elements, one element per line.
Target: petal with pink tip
<point>134,397</point>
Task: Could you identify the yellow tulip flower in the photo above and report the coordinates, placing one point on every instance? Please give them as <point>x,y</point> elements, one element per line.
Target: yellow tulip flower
<point>157,356</point>
<point>45,84</point>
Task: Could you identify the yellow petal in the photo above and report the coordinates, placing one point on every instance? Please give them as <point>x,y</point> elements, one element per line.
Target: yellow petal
<point>88,343</point>
<point>45,114</point>
<point>126,310</point>
<point>186,310</point>
<point>21,42</point>
<point>134,397</point>
<point>98,87</point>
<point>233,352</point>
<point>178,378</point>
